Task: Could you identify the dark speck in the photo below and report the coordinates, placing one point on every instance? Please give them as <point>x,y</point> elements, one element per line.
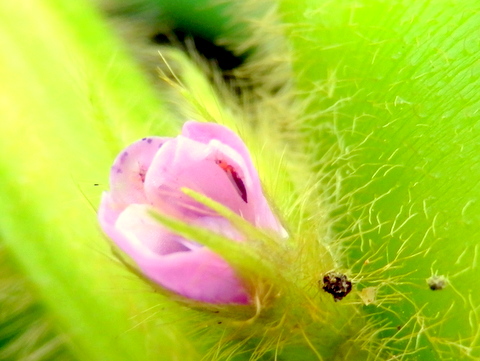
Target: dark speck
<point>337,284</point>
<point>149,140</point>
<point>123,157</point>
<point>142,173</point>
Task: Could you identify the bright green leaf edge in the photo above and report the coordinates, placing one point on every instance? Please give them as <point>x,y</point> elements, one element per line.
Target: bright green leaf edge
<point>70,101</point>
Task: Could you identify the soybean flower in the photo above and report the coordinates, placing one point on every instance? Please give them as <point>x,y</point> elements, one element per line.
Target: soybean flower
<point>149,176</point>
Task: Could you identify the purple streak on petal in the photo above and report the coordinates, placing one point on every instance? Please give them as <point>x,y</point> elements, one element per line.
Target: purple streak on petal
<point>209,133</point>
<point>232,175</point>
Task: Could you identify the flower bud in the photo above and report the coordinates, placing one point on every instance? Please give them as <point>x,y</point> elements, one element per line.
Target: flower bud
<point>149,175</point>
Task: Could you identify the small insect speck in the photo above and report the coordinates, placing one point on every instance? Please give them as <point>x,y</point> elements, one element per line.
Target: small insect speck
<point>337,284</point>
<point>436,283</point>
<point>96,184</point>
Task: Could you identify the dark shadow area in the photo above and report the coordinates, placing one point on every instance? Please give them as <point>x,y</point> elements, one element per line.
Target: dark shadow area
<point>221,56</point>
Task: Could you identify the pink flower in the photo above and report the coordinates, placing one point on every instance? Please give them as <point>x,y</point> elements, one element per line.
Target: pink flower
<point>149,175</point>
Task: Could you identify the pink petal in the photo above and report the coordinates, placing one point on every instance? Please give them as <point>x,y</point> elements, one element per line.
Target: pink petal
<point>109,211</point>
<point>137,224</point>
<point>206,133</point>
<point>196,273</point>
<point>200,274</point>
<point>186,163</point>
<point>135,232</point>
<point>129,168</point>
<point>219,225</point>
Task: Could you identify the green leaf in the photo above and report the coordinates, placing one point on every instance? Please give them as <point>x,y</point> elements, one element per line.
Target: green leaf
<point>70,100</point>
<point>392,114</point>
